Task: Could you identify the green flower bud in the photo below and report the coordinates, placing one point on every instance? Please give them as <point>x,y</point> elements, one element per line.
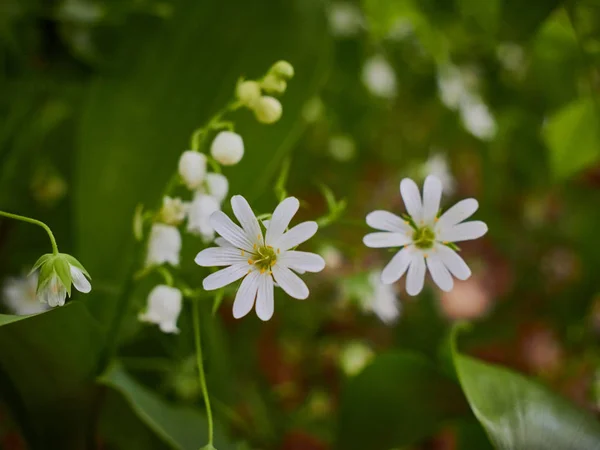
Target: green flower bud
<point>248,92</point>
<point>282,69</point>
<point>267,110</point>
<point>57,273</point>
<point>273,84</point>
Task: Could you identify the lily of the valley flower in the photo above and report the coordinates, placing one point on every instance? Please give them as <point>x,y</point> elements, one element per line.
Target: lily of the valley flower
<point>199,214</point>
<point>425,238</point>
<point>173,211</point>
<point>164,245</point>
<point>260,260</point>
<point>57,273</point>
<point>192,168</point>
<point>227,148</point>
<point>20,297</point>
<point>163,309</point>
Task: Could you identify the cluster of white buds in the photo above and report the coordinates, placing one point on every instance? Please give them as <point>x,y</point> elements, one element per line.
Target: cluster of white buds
<point>258,96</point>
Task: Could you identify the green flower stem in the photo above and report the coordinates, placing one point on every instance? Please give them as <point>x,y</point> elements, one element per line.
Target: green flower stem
<point>34,222</point>
<point>215,123</point>
<point>196,318</point>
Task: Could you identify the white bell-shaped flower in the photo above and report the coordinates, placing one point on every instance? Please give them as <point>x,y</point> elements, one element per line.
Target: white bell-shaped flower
<point>163,309</point>
<point>19,295</point>
<point>192,168</point>
<point>217,186</point>
<point>227,148</point>
<point>268,109</point>
<point>173,211</point>
<point>199,214</point>
<point>164,245</point>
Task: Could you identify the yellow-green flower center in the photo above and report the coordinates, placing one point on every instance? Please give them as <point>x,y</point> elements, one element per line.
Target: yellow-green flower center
<point>264,258</point>
<point>424,238</point>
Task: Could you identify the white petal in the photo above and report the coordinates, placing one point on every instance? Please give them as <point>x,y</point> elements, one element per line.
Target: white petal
<point>459,212</point>
<point>297,235</point>
<point>265,303</point>
<point>396,267</point>
<point>218,186</point>
<point>281,219</point>
<point>439,273</point>
<point>164,245</point>
<point>290,282</point>
<point>386,239</point>
<point>220,256</point>
<point>244,299</point>
<point>225,276</point>
<point>230,231</point>
<point>302,261</point>
<point>453,262</point>
<point>222,242</point>
<point>54,293</point>
<point>412,199</point>
<point>80,282</point>
<point>386,221</point>
<point>416,274</point>
<point>465,231</point>
<point>247,219</point>
<point>432,195</point>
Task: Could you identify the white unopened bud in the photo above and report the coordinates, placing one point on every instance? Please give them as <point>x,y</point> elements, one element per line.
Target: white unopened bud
<point>273,84</point>
<point>227,148</point>
<point>217,186</point>
<point>282,69</point>
<point>248,92</point>
<point>172,211</point>
<point>164,307</point>
<point>268,110</point>
<point>192,168</point>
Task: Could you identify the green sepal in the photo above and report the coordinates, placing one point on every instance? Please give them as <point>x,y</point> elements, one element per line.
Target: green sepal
<point>63,270</point>
<point>40,262</point>
<point>75,263</point>
<point>46,273</point>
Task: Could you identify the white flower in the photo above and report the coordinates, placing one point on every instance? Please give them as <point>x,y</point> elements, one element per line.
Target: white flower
<point>19,295</point>
<point>56,274</point>
<point>164,245</point>
<point>383,300</point>
<point>261,261</point>
<point>267,110</point>
<point>173,211</point>
<point>452,86</point>
<point>437,165</point>
<point>164,306</point>
<point>345,19</point>
<point>227,148</point>
<point>199,214</point>
<point>379,77</point>
<point>217,186</point>
<point>476,118</point>
<point>424,241</point>
<point>192,168</point>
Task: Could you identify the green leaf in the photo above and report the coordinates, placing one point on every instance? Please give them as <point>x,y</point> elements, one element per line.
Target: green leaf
<point>51,361</point>
<point>485,13</point>
<point>397,400</point>
<point>181,427</point>
<point>518,413</point>
<point>5,319</point>
<point>573,138</point>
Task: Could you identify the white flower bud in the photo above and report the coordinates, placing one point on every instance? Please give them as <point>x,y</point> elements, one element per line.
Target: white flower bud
<point>173,211</point>
<point>282,69</point>
<point>248,92</point>
<point>267,110</point>
<point>273,84</point>
<point>164,307</point>
<point>199,214</point>
<point>227,148</point>
<point>192,168</point>
<point>164,245</point>
<point>217,186</point>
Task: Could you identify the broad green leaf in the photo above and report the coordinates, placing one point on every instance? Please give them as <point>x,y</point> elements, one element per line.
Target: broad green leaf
<point>518,413</point>
<point>181,427</point>
<point>5,319</point>
<point>573,137</point>
<point>170,77</point>
<point>397,400</point>
<point>51,360</point>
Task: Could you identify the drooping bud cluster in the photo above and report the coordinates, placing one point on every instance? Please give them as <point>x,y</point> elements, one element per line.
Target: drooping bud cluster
<point>267,109</point>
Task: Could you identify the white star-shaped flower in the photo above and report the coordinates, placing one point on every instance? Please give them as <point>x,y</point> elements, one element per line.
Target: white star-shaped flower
<point>425,238</point>
<point>260,260</point>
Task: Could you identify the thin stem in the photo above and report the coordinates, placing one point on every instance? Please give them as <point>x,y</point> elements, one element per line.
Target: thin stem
<point>196,317</point>
<point>34,222</point>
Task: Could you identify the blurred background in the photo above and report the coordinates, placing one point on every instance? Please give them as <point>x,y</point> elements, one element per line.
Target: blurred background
<point>498,98</point>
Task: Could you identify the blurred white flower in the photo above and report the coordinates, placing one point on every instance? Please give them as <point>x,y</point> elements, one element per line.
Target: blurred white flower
<point>200,210</point>
<point>383,301</point>
<point>452,86</point>
<point>379,77</point>
<point>192,168</point>
<point>437,165</point>
<point>476,118</point>
<point>332,256</point>
<point>164,245</point>
<point>259,260</point>
<point>342,147</point>
<point>425,238</point>
<point>512,57</point>
<point>173,211</point>
<point>354,357</point>
<point>267,110</point>
<point>227,148</point>
<point>217,186</point>
<point>163,309</point>
<point>19,295</point>
<point>345,19</point>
